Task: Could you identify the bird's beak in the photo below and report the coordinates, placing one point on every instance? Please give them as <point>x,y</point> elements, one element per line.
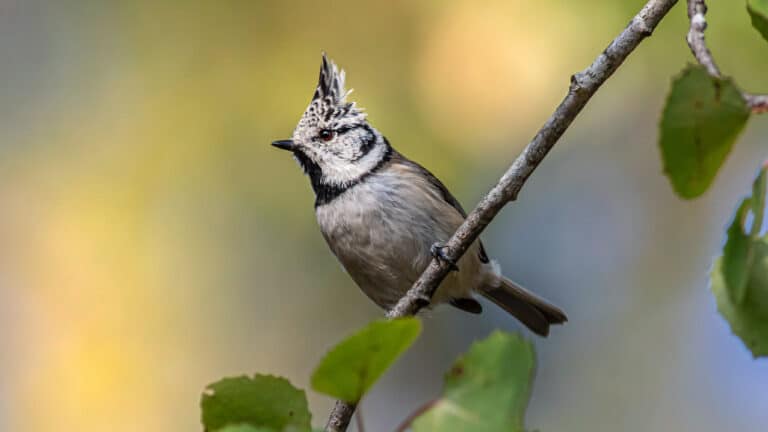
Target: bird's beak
<point>284,144</point>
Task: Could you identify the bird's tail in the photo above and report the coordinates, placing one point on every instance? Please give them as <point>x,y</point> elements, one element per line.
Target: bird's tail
<point>536,313</point>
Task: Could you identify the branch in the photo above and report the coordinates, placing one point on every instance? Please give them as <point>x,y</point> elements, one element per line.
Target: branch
<point>414,415</point>
<point>697,11</point>
<point>340,416</point>
<point>583,85</point>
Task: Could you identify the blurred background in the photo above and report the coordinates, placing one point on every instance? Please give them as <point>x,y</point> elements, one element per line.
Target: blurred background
<point>151,240</point>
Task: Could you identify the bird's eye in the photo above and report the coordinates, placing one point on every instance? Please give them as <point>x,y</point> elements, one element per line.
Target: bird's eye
<point>326,135</point>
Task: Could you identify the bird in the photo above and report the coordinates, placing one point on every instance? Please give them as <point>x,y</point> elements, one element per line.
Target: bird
<point>385,217</point>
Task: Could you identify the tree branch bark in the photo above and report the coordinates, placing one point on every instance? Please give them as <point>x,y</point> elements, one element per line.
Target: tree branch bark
<point>340,416</point>
<point>583,86</point>
<point>697,11</point>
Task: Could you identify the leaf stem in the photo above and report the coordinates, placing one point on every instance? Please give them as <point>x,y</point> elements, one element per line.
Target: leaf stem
<point>414,415</point>
<point>697,11</point>
<point>359,419</point>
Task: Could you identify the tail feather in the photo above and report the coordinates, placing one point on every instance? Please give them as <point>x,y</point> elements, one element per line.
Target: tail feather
<point>536,313</point>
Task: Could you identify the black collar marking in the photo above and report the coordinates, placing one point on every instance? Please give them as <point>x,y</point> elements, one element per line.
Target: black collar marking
<point>325,193</point>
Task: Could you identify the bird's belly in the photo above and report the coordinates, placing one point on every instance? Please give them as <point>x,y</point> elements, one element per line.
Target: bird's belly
<point>383,241</point>
<point>381,253</point>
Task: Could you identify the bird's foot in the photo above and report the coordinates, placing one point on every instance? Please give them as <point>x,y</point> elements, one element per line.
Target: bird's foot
<point>438,251</point>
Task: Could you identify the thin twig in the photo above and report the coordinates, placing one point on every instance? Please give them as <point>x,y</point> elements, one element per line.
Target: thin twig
<point>583,85</point>
<point>697,11</point>
<point>414,415</point>
<point>359,419</point>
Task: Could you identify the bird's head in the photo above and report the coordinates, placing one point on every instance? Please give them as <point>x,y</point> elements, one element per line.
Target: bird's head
<point>333,142</point>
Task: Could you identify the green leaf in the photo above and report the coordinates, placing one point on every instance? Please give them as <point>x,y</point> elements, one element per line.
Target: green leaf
<point>702,118</point>
<point>758,201</point>
<point>354,365</point>
<point>487,389</point>
<point>244,427</point>
<point>737,256</point>
<point>758,10</point>
<point>740,277</point>
<point>263,401</point>
<point>738,253</point>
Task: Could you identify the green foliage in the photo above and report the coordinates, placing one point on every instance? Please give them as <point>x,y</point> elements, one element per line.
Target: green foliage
<point>702,118</point>
<point>263,401</point>
<point>266,403</point>
<point>486,390</point>
<point>758,10</point>
<point>739,250</point>
<point>352,366</point>
<point>740,276</point>
<point>244,427</point>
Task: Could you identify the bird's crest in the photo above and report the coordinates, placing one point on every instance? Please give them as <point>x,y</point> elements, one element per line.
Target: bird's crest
<point>329,107</point>
<point>331,83</point>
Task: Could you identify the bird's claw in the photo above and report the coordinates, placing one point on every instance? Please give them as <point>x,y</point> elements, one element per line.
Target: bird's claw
<point>438,251</point>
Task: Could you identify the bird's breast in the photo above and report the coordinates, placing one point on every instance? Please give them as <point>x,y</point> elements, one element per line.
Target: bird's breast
<point>381,230</point>
<point>380,236</point>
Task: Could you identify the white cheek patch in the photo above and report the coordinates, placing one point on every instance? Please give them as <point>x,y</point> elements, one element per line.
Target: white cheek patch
<point>348,156</point>
<point>349,145</point>
<point>341,172</point>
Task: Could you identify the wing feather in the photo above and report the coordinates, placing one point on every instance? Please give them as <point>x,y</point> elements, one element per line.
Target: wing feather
<point>442,190</point>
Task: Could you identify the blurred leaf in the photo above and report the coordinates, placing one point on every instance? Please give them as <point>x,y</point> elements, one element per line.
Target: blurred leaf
<point>263,401</point>
<point>487,389</point>
<point>758,10</point>
<point>740,276</point>
<point>352,366</point>
<point>702,118</point>
<point>738,253</point>
<point>244,427</point>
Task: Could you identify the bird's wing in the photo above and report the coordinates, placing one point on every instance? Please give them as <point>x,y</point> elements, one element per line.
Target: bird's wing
<point>444,192</point>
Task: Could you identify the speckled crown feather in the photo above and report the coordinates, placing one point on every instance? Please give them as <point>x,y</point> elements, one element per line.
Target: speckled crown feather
<point>329,104</point>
